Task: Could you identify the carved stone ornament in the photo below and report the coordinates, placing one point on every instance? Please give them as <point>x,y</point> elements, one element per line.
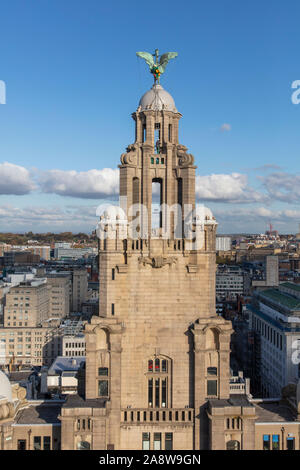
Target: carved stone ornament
<point>158,261</point>
<point>184,159</point>
<point>130,157</point>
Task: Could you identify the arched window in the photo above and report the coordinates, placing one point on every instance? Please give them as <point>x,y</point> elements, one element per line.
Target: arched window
<point>83,445</point>
<point>158,377</point>
<point>233,445</point>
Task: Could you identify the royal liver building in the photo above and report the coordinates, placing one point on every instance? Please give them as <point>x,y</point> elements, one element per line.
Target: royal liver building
<point>157,356</point>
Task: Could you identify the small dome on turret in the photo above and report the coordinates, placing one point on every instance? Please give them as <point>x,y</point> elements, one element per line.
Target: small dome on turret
<point>111,213</point>
<point>157,99</point>
<point>204,215</point>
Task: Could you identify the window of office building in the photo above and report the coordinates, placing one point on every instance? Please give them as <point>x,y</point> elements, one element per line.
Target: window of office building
<point>157,441</point>
<point>275,442</point>
<point>169,441</point>
<point>146,440</point>
<point>266,442</point>
<point>37,442</point>
<point>290,443</point>
<point>47,442</point>
<point>21,445</point>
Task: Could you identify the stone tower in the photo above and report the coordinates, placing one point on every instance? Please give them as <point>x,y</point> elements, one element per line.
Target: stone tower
<point>157,352</point>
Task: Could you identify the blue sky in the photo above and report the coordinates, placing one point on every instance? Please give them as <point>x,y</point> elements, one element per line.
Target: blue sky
<point>73,79</point>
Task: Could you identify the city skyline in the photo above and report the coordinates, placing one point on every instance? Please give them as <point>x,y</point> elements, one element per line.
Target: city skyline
<point>63,111</point>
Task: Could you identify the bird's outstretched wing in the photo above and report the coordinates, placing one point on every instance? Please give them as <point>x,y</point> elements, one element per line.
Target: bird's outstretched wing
<point>165,59</point>
<point>148,58</point>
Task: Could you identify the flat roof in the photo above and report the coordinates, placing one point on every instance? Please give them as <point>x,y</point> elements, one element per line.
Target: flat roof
<point>281,298</point>
<point>291,285</point>
<point>76,401</point>
<point>273,412</point>
<point>39,414</point>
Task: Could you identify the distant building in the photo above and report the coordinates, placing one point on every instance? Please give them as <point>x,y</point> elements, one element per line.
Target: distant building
<point>12,258</point>
<point>73,253</point>
<point>79,288</point>
<point>223,243</point>
<point>27,304</point>
<point>62,375</point>
<point>73,346</point>
<point>271,273</point>
<point>275,317</point>
<point>59,306</point>
<point>231,281</point>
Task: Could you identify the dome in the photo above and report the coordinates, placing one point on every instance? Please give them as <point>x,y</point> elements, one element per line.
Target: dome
<point>202,215</point>
<point>110,213</point>
<point>5,387</point>
<point>114,213</point>
<point>157,99</point>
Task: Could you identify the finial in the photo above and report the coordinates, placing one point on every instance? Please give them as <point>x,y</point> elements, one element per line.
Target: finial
<point>157,67</point>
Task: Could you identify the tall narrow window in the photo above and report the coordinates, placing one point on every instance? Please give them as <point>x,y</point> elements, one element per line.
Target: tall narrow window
<point>178,222</point>
<point>146,440</point>
<point>144,133</point>
<point>112,309</point>
<point>290,443</point>
<point>47,443</point>
<point>179,191</point>
<point>169,441</point>
<point>113,274</point>
<point>157,441</point>
<point>156,213</point>
<point>275,442</point>
<point>150,392</point>
<point>158,380</point>
<point>170,133</point>
<point>266,442</point>
<point>103,388</point>
<point>135,190</point>
<point>211,388</point>
<point>157,142</point>
<point>164,393</point>
<point>37,443</point>
<point>157,393</point>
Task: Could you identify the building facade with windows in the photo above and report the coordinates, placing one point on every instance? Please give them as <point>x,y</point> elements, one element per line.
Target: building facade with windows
<point>275,317</point>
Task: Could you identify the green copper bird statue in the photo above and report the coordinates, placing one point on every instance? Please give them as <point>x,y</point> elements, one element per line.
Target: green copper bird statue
<point>157,67</point>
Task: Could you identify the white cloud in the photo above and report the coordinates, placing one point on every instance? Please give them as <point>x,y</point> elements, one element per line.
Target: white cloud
<point>48,218</point>
<point>15,179</point>
<point>226,188</point>
<point>282,186</point>
<point>225,127</point>
<point>93,184</point>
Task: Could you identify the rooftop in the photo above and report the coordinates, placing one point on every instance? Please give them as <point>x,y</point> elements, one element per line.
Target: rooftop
<point>273,412</point>
<point>76,401</point>
<point>234,400</point>
<point>281,298</point>
<point>291,285</point>
<point>40,414</point>
<point>63,363</point>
